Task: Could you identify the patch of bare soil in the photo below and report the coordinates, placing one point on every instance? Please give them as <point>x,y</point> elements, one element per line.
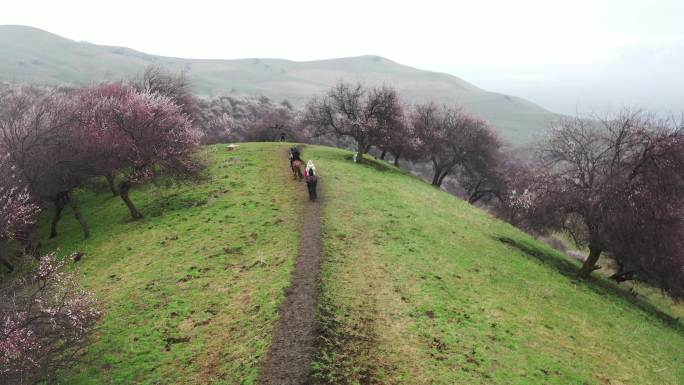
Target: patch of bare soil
<point>289,358</point>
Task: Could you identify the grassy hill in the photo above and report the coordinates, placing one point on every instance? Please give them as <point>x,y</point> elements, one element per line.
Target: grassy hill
<point>192,290</point>
<point>32,55</point>
<point>417,287</point>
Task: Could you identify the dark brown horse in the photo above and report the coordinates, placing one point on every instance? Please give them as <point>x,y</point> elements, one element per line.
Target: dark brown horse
<point>311,181</point>
<point>297,169</point>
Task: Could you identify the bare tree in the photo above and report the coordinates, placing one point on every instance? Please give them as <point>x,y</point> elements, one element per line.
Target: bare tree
<point>355,112</point>
<point>37,132</point>
<point>175,86</point>
<point>399,139</point>
<point>482,172</point>
<point>451,139</point>
<point>271,126</point>
<point>645,219</point>
<point>615,184</point>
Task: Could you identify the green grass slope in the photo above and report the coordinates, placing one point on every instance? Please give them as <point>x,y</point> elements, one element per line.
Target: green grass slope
<point>191,291</point>
<point>419,289</point>
<point>416,286</point>
<point>32,55</point>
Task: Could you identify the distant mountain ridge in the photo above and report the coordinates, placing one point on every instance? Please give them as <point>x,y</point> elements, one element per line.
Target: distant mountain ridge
<point>35,56</point>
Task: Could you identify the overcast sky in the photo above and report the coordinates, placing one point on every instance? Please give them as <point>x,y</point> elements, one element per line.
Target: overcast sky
<point>535,49</point>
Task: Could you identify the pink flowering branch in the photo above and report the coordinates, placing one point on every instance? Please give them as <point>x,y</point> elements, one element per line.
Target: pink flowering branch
<point>45,322</point>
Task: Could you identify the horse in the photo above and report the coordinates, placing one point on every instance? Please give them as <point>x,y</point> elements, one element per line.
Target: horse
<point>311,182</point>
<point>297,169</point>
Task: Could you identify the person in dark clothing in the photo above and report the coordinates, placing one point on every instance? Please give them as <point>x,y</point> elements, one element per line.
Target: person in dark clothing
<point>294,155</point>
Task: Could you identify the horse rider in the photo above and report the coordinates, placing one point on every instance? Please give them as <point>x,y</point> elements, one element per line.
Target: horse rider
<point>310,168</point>
<point>294,155</point>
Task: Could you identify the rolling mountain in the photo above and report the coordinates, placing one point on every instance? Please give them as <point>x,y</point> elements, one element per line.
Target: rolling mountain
<point>32,55</point>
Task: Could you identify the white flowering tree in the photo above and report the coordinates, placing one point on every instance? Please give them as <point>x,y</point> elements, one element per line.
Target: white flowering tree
<point>18,212</point>
<point>45,317</point>
<point>45,321</point>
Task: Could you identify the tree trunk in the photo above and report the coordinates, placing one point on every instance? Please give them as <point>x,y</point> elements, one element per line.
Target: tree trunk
<point>435,178</point>
<point>361,149</point>
<point>441,178</point>
<point>60,202</point>
<point>77,213</point>
<point>124,187</point>
<point>110,182</point>
<point>590,262</point>
<point>382,155</point>
<point>396,160</point>
<point>478,195</point>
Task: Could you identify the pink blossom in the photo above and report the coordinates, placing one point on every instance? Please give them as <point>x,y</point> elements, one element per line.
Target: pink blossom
<point>45,320</point>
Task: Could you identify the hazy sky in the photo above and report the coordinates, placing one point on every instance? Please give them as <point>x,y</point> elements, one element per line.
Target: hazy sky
<point>502,45</point>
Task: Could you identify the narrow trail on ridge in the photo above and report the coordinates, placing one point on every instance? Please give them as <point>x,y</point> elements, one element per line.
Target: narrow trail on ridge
<point>288,360</point>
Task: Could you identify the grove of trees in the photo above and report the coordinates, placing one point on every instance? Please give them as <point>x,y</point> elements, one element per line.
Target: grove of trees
<point>46,320</point>
<point>239,118</point>
<point>613,183</point>
<point>52,142</point>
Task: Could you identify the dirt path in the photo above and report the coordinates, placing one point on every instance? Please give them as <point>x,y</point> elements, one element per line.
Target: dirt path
<point>288,360</point>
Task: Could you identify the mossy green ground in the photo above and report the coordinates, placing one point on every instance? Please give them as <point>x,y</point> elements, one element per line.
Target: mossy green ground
<point>191,291</point>
<point>418,288</point>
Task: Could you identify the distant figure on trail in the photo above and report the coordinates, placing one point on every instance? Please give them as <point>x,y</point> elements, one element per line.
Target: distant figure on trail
<point>311,180</point>
<point>282,137</point>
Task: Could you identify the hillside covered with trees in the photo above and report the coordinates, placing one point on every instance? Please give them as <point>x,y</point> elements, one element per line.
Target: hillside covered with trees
<point>179,259</point>
<point>417,286</point>
<point>36,56</point>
